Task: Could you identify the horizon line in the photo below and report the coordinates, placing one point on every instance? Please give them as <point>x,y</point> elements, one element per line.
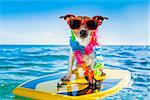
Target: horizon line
<point>68,44</point>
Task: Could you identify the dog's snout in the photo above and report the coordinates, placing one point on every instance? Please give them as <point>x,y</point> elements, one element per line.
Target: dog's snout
<point>83,33</point>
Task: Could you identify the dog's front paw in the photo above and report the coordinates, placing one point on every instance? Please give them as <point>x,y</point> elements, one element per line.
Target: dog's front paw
<point>66,78</point>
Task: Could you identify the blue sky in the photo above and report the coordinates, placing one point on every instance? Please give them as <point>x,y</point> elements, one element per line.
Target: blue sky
<point>37,21</point>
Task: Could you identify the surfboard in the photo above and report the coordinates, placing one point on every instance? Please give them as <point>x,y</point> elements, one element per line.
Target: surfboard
<point>47,87</point>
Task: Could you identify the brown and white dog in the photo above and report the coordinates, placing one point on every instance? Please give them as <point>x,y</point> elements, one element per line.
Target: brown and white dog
<point>83,35</point>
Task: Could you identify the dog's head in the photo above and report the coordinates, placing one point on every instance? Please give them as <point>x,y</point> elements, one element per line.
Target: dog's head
<point>83,26</point>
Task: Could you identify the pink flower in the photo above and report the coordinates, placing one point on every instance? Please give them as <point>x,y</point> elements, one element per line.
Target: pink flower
<point>79,56</point>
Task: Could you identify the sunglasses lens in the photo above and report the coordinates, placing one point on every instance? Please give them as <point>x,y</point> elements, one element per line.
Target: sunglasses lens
<point>92,25</point>
<point>75,24</point>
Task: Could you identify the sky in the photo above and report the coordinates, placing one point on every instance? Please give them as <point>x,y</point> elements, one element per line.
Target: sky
<point>37,21</point>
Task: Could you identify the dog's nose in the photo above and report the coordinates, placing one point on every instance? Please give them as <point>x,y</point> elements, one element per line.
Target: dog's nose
<point>83,33</point>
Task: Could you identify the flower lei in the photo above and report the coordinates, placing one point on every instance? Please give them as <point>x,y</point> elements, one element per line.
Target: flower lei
<point>80,50</point>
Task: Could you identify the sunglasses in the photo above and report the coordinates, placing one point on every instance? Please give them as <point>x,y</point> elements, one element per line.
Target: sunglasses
<point>89,24</point>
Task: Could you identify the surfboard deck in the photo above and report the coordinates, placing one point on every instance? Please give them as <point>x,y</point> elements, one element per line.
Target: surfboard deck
<point>46,87</point>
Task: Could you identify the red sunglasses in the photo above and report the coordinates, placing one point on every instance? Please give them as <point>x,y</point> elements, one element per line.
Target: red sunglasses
<point>90,24</point>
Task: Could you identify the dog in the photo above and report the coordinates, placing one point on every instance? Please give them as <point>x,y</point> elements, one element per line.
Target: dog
<point>82,28</point>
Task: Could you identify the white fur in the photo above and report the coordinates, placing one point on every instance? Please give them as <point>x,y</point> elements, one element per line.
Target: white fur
<point>83,42</point>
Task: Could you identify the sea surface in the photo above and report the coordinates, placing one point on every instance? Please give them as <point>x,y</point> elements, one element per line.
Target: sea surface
<point>19,63</point>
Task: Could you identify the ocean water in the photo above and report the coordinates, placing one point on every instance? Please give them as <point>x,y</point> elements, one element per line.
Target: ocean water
<point>19,63</point>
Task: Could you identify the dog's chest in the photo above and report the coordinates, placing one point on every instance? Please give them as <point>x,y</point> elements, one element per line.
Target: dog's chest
<point>88,59</point>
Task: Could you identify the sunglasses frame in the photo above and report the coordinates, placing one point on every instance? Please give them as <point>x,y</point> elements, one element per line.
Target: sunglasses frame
<point>84,22</point>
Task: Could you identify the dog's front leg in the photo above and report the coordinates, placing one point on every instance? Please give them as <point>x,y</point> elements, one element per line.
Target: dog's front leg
<point>70,61</point>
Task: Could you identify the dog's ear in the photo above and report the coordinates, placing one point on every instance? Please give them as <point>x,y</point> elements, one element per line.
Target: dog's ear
<point>67,16</point>
<point>99,18</point>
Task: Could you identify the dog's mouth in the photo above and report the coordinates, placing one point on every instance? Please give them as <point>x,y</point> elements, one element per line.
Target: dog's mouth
<point>83,34</point>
